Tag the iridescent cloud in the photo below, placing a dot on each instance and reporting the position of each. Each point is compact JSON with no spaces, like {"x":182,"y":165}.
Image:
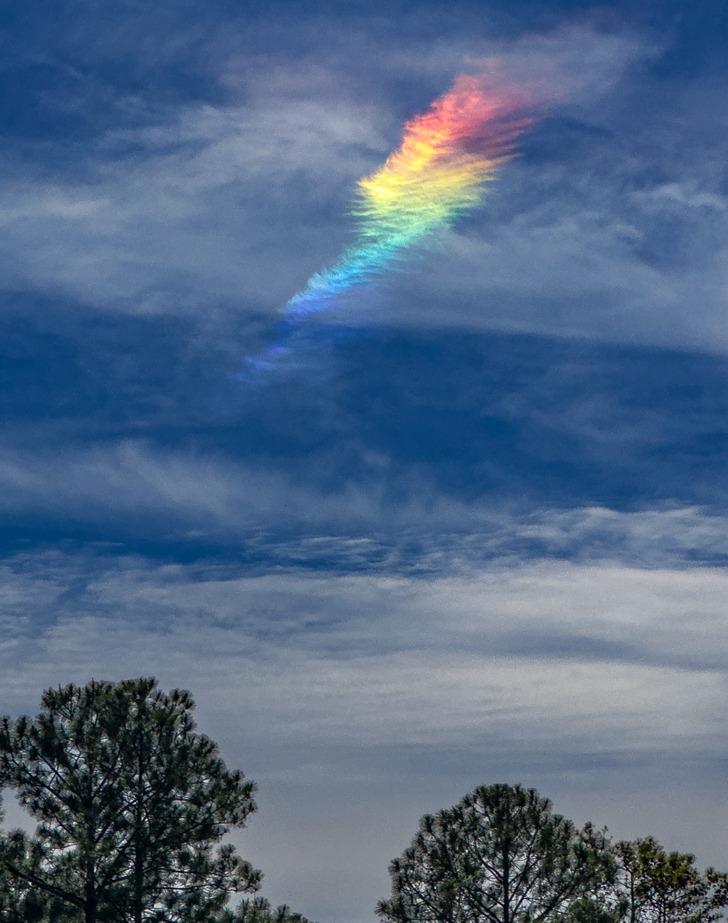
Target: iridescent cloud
{"x":440,"y":171}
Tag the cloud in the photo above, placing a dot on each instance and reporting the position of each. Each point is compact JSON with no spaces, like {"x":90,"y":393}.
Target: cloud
{"x":187,"y":222}
{"x":236,"y":202}
{"x":628,"y":257}
{"x":231,"y":206}
{"x":132,"y":479}
{"x":575,"y":63}
{"x":367,"y":699}
{"x":389,"y":517}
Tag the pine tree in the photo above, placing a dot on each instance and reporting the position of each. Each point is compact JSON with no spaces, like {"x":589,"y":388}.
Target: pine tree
{"x":17,"y":901}
{"x":660,"y":887}
{"x":259,"y":910}
{"x":131,"y":803}
{"x":499,"y":856}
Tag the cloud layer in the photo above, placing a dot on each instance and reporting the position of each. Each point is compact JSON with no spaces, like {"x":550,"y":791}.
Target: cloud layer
{"x":585,"y":679}
{"x":235,"y":204}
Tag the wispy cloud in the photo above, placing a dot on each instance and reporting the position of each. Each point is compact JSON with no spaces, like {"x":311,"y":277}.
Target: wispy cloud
{"x":237,"y":203}
{"x":392,"y":519}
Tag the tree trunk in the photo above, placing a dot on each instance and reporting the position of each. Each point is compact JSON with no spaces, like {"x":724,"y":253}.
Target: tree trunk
{"x":138,"y":832}
{"x":138,"y":888}
{"x":632,"y":907}
{"x":91,"y":902}
{"x":506,"y":884}
{"x":91,"y":899}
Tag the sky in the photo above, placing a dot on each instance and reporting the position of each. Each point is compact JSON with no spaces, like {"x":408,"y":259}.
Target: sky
{"x":473,"y":529}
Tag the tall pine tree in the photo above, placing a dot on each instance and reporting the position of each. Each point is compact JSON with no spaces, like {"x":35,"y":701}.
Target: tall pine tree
{"x":131,"y":802}
{"x":499,"y":856}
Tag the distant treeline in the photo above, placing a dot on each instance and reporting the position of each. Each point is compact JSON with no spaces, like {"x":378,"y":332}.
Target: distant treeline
{"x":132,"y":805}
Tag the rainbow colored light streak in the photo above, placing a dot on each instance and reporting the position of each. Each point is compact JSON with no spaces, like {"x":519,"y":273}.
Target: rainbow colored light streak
{"x":440,"y":171}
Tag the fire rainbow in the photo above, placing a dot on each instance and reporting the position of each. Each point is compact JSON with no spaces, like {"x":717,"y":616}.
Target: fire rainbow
{"x":440,"y":171}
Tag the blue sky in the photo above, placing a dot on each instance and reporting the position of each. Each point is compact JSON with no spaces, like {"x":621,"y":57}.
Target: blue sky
{"x":475,"y":531}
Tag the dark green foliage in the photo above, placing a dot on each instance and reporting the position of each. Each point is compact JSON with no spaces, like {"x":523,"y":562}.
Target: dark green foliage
{"x":598,"y":909}
{"x":499,"y":856}
{"x":18,"y":902}
{"x":259,"y":910}
{"x":131,"y":804}
{"x":660,"y":887}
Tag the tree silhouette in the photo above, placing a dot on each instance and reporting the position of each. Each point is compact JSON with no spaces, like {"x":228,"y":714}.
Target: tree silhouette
{"x":131,"y":803}
{"x":660,"y":887}
{"x":259,"y":910}
{"x":499,"y":856}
